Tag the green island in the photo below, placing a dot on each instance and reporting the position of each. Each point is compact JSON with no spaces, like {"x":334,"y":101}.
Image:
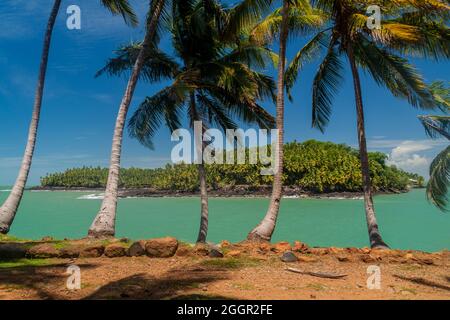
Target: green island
{"x":312,"y":166}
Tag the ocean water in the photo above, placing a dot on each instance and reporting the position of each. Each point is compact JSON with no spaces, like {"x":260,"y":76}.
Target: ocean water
{"x":407,"y":221}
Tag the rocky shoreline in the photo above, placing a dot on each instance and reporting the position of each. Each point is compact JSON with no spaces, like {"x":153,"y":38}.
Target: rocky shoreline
{"x":230,"y":192}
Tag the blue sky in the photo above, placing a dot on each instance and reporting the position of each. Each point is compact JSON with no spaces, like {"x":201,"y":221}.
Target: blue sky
{"x":79,"y":111}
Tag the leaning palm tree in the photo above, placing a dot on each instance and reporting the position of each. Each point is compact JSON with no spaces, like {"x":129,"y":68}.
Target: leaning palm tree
{"x":437,"y":126}
{"x":239,"y":18}
{"x":104,"y":222}
{"x":213,"y":82}
{"x":9,"y":209}
{"x":295,"y":16}
{"x":410,"y":27}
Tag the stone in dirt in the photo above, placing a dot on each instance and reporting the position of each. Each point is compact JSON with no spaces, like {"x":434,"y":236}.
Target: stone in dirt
{"x":300,"y":247}
{"x":214,"y":253}
{"x":43,"y":251}
{"x":115,"y":251}
{"x":69,"y":252}
{"x":282,"y":247}
{"x":343,"y":259}
{"x":183,"y":251}
{"x":201,"y":250}
{"x":137,"y":249}
{"x":289,"y":256}
{"x":162,"y":247}
{"x":92,"y":251}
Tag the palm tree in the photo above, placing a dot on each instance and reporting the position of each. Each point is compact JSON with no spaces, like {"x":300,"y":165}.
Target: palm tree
{"x":294,"y":16}
{"x":9,"y":209}
{"x":410,"y":29}
{"x":439,"y":126}
{"x":239,"y":18}
{"x":214,"y":82}
{"x":105,"y":220}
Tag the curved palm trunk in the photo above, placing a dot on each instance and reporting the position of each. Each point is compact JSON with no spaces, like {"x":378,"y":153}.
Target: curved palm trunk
{"x":104,"y":223}
{"x":264,"y":231}
{"x":203,"y":232}
{"x":375,"y":238}
{"x":9,"y":208}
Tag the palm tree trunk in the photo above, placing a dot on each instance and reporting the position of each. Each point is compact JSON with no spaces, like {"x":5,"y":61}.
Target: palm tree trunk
{"x":264,"y":231}
{"x":375,"y":238}
{"x":9,"y":208}
{"x":104,"y":223}
{"x":203,"y":232}
{"x":204,"y":214}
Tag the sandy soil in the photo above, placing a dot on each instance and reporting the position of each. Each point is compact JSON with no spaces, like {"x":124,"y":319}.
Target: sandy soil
{"x":256,"y":277}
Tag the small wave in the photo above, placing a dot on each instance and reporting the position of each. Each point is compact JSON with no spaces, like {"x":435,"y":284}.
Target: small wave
{"x":6,"y":190}
{"x":94,"y":196}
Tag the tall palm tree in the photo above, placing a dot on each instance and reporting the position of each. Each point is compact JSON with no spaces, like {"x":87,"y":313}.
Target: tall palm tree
{"x":9,"y":208}
{"x":294,"y":16}
{"x":213,"y":83}
{"x":408,"y":28}
{"x":104,"y":222}
{"x":239,"y":18}
{"x":437,"y":126}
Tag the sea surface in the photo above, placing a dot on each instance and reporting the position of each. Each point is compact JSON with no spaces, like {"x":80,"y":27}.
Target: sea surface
{"x":407,"y":221}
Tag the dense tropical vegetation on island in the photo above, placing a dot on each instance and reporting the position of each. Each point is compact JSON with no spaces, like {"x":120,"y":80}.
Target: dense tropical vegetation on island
{"x":314,"y":166}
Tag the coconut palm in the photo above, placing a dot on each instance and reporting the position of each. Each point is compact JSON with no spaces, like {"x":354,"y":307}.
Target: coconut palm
{"x":213,"y":82}
{"x":9,"y":208}
{"x":239,"y":18}
{"x":437,"y":126}
{"x":295,"y":16}
{"x":104,"y":222}
{"x":409,"y":27}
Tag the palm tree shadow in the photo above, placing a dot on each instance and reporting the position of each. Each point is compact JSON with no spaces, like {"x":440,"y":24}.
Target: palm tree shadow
{"x":425,"y":282}
{"x":45,"y":280}
{"x":169,"y":286}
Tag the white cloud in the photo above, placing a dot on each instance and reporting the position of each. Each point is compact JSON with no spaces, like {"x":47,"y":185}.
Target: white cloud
{"x":410,"y":155}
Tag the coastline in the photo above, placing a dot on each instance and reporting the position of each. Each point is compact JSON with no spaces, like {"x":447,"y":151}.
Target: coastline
{"x":232,"y":192}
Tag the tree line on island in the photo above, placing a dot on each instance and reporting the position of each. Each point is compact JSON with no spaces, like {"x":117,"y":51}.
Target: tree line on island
{"x":218,"y":76}
{"x":312,"y":166}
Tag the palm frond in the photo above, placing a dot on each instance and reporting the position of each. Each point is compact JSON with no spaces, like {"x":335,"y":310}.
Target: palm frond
{"x":436,"y":126}
{"x":308,"y":53}
{"x":437,"y":188}
{"x":165,"y":106}
{"x":394,"y":72}
{"x":158,"y":65}
{"x":123,"y":8}
{"x":245,"y":15}
{"x":441,"y":95}
{"x":325,"y":86}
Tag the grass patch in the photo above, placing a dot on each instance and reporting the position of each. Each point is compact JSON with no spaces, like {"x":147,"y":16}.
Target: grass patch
{"x":231,"y":263}
{"x":8,"y":238}
{"x":243,"y":286}
{"x":23,"y":263}
{"x":317,"y":286}
{"x":409,"y":290}
{"x":60,"y":244}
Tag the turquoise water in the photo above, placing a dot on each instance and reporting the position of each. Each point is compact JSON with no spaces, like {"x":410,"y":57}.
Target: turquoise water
{"x":407,"y":221}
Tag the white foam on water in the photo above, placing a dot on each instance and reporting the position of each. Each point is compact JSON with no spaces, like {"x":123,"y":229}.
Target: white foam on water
{"x":5,"y":190}
{"x":94,"y":196}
